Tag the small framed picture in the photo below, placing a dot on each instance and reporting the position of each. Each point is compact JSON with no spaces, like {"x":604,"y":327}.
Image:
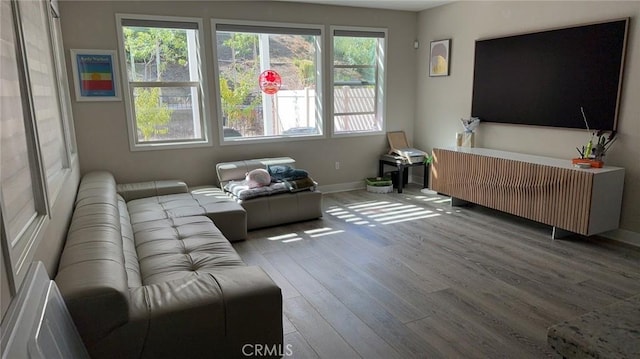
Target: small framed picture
{"x":95,"y":74}
{"x":439,"y":58}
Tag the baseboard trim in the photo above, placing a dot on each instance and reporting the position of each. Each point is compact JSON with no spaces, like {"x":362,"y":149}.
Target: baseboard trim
{"x":341,"y":187}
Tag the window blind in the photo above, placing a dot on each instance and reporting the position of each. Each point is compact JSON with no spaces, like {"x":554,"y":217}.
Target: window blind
{"x":19,"y":208}
{"x":44,"y":91}
{"x":160,"y":24}
{"x":268,"y":29}
{"x":358,"y":33}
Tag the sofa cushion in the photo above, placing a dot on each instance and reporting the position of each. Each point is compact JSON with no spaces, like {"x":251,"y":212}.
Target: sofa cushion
{"x":169,"y":249}
{"x":131,"y":191}
{"x":212,"y":202}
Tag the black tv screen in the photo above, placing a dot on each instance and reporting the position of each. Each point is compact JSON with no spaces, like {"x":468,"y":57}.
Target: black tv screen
{"x":544,"y":78}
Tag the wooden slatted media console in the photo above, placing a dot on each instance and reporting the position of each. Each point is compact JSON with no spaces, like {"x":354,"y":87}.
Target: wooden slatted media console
{"x":546,"y":190}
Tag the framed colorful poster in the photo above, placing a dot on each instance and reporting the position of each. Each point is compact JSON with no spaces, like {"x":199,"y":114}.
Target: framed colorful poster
{"x":95,"y":73}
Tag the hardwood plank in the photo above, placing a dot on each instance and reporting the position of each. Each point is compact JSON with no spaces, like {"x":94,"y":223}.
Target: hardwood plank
{"x":347,"y":324}
{"x":305,"y":283}
{"x":252,"y":257}
{"x":287,"y":326}
{"x":320,"y":336}
{"x":369,"y":311}
{"x":295,"y":345}
{"x":362,"y":338}
{"x":355,"y":279}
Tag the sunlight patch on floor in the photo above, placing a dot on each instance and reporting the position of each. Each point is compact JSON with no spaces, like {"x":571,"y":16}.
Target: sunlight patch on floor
{"x":308,"y":234}
{"x":372,"y":213}
{"x":321,"y":232}
{"x":282,"y":237}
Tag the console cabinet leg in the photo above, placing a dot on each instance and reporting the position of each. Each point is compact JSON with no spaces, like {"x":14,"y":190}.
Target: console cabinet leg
{"x":558,"y":233}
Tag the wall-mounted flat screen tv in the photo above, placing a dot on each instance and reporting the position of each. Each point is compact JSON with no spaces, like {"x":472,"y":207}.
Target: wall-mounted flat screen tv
{"x":545,"y":78}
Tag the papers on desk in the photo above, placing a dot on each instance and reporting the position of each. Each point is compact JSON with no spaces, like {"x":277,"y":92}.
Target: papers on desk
{"x":410,"y":155}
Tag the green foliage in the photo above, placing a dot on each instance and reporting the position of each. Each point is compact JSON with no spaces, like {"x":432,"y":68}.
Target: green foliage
{"x":355,"y":50}
{"x":306,"y":70}
{"x":155,"y":46}
{"x":239,"y":81}
{"x":243,"y":45}
{"x":237,"y":105}
{"x":152,"y":116}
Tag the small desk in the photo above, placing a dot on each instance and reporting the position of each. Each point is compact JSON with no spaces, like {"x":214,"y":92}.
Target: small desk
{"x":403,"y":167}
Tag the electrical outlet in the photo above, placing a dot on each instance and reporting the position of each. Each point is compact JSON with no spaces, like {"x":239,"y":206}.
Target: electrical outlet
{"x":337,"y":165}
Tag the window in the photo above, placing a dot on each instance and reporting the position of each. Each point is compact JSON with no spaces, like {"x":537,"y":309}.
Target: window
{"x":358,"y":75}
{"x":22,"y":200}
{"x":61,"y":72}
{"x":244,"y":51}
{"x":164,"y":69}
{"x":38,"y":54}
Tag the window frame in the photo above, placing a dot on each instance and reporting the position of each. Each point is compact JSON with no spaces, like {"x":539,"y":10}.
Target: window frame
{"x":127,"y":88}
{"x":19,"y":251}
{"x":380,"y":86}
{"x":320,"y":76}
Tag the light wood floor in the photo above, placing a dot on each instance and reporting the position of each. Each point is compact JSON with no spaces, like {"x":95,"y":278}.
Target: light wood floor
{"x":409,"y":276}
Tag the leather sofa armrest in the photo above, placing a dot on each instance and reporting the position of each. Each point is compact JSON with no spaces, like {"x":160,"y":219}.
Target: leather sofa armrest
{"x":253,"y":308}
{"x":241,"y":305}
{"x":131,"y":191}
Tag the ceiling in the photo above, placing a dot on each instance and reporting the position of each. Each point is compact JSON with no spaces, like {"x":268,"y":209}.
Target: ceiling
{"x":407,"y":5}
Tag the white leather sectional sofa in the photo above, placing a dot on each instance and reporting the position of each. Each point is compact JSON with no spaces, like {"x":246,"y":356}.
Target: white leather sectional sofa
{"x":153,"y":277}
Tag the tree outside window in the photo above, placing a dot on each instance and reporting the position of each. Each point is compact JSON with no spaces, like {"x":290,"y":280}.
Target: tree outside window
{"x":163,"y":71}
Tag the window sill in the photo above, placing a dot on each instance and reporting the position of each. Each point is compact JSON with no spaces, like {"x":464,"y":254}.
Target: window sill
{"x":168,"y":145}
{"x":269,"y":139}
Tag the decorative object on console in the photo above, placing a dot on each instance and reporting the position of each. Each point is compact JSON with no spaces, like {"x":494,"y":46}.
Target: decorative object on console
{"x":467,"y":138}
{"x":594,"y":151}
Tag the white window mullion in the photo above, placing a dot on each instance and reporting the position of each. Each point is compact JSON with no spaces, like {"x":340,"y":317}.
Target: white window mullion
{"x":63,"y":86}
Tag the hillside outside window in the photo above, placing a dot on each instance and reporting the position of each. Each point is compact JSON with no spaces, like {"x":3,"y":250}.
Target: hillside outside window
{"x":291,"y":53}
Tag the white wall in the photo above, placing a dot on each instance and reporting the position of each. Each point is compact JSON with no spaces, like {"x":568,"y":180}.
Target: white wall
{"x":101,"y":126}
{"x":442,"y":101}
